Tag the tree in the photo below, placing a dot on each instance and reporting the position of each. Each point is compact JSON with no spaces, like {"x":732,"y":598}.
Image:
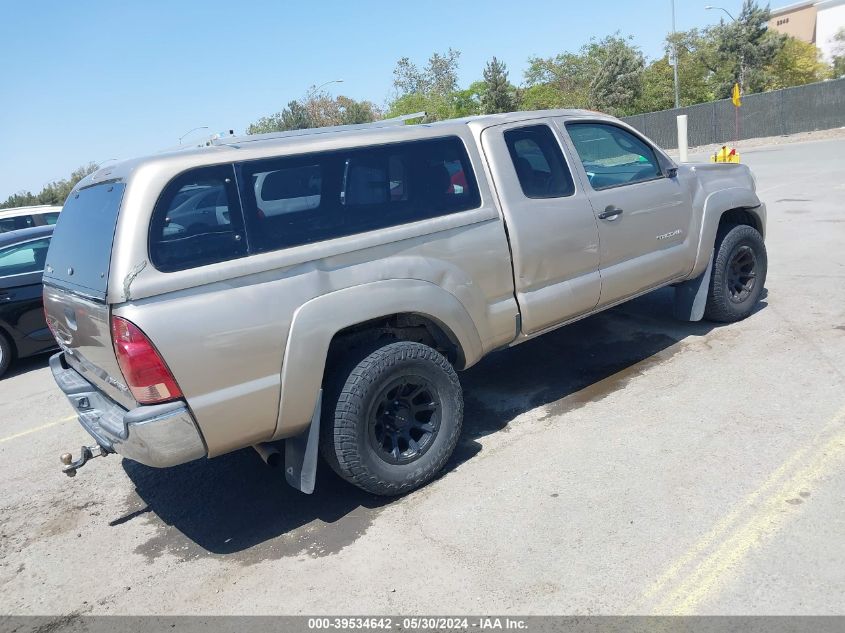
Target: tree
{"x":317,"y":109}
{"x":604,"y":74}
{"x":292,"y":117}
{"x":557,"y":82}
{"x":617,"y":82}
{"x":497,"y":95}
{"x":839,"y":54}
{"x":440,"y":76}
{"x":796,"y":63}
{"x":433,"y":90}
{"x":55,"y":192}
{"x":745,"y":50}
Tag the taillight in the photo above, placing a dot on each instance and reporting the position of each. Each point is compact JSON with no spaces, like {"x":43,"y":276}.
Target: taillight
{"x":145,"y":371}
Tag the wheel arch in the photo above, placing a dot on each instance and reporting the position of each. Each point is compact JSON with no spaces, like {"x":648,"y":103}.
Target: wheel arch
{"x":394,"y":308}
{"x":727,"y":206}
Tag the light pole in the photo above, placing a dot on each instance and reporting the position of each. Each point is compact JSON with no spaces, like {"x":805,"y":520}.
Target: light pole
{"x":202,"y":127}
{"x":675,"y":60}
{"x":741,"y":81}
{"x":317,"y":89}
{"x":710,"y":8}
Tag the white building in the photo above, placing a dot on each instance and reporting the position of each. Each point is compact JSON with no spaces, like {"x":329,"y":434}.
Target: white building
{"x":816,"y":22}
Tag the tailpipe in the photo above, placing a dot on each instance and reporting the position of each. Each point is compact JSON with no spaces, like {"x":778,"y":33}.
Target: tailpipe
{"x":269,"y":453}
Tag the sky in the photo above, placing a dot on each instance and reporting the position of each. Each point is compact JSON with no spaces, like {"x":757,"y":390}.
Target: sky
{"x":89,"y":81}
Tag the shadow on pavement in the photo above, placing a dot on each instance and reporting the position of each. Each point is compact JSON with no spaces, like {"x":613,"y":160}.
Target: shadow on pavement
{"x":235,"y":503}
{"x":26,"y":365}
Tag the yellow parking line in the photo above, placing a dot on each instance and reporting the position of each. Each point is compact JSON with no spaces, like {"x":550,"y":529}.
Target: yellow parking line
{"x":771,"y":516}
{"x":36,"y":429}
{"x":732,"y":539}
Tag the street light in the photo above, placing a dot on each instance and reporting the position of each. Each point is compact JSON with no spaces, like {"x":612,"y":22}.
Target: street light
{"x":710,"y":8}
{"x":333,"y":81}
{"x":202,"y":127}
{"x":742,"y":56}
{"x":675,"y":60}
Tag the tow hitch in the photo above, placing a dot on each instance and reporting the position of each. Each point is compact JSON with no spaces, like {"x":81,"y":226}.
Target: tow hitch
{"x":85,"y":453}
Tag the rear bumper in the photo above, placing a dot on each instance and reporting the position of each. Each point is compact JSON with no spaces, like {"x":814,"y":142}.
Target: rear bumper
{"x":158,"y":435}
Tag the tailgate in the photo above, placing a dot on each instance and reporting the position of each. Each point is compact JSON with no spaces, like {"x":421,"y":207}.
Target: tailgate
{"x":81,"y":327}
{"x":76,"y":282}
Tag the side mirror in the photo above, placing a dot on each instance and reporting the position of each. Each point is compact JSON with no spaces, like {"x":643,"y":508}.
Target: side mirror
{"x":667,"y":165}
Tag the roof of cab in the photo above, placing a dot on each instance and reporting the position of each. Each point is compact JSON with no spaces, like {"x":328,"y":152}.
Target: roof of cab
{"x":234,"y":148}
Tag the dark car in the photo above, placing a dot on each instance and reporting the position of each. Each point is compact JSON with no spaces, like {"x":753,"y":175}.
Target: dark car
{"x":23,"y":330}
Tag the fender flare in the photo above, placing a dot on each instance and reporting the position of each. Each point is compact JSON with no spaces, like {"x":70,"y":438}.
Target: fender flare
{"x":317,"y":321}
{"x":716,"y":205}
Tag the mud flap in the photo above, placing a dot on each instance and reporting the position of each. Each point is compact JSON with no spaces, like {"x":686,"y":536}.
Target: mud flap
{"x":691,"y":296}
{"x":301,"y":453}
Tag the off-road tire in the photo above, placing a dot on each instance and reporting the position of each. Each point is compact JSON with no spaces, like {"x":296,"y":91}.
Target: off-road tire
{"x":353,"y":393}
{"x":723,"y":304}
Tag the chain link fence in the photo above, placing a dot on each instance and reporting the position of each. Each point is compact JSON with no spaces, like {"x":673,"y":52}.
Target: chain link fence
{"x":819,"y":106}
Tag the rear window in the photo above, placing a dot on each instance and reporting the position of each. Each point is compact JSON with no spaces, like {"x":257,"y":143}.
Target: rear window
{"x":80,"y":251}
{"x":309,"y":198}
{"x":197,"y":220}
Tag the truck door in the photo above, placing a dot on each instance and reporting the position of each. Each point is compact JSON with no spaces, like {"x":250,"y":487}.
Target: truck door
{"x":551,"y":227}
{"x":643,"y":212}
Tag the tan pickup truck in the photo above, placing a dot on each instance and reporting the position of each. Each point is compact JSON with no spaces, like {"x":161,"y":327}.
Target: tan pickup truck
{"x":323,"y":287}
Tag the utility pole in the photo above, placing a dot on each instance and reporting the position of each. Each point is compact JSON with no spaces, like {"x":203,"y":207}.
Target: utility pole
{"x":675,"y":60}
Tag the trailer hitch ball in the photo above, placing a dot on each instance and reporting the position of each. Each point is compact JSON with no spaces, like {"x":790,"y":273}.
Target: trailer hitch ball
{"x":85,"y":453}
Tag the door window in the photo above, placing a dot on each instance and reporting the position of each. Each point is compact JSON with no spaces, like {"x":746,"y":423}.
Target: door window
{"x":539,"y":162}
{"x":611,"y":156}
{"x":24,"y":258}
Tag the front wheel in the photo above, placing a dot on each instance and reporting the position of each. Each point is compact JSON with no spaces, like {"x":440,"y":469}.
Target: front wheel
{"x":394,"y":421}
{"x":738,"y":276}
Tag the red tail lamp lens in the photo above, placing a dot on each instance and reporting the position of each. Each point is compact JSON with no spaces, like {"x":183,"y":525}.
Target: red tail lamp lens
{"x":145,"y":371}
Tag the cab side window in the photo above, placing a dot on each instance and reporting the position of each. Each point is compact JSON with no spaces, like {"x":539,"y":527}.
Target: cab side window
{"x":539,"y":163}
{"x":302,"y":199}
{"x":197,"y":220}
{"x":612,"y":156}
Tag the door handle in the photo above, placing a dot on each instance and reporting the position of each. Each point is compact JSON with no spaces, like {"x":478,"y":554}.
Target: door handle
{"x":610,"y":213}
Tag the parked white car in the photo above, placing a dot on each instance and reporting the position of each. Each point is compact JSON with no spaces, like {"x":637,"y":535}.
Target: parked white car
{"x":27,"y":217}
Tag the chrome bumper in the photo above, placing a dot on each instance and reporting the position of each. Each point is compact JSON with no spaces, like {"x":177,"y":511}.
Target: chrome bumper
{"x":157,"y":435}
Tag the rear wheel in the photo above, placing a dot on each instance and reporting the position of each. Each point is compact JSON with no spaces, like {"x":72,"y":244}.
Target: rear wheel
{"x":739,"y":273}
{"x":392,"y":422}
